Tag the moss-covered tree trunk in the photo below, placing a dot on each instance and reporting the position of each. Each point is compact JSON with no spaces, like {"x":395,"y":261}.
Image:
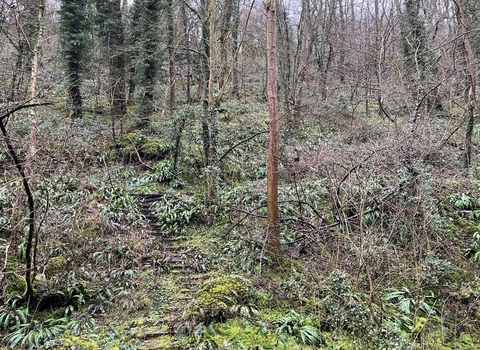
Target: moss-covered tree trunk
{"x":111,"y":33}
{"x":145,"y":24}
{"x":75,"y":42}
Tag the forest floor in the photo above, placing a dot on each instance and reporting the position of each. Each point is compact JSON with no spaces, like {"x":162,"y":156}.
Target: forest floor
{"x":380,"y":236}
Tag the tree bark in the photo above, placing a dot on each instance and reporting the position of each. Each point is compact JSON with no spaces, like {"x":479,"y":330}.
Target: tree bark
{"x":118,"y":109}
{"x":224,"y":30}
{"x":171,"y":54}
{"x":470,"y":75}
{"x":273,"y":238}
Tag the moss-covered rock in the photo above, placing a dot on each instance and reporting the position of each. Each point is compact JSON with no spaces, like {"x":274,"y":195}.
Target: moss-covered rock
{"x":15,"y":283}
{"x":132,"y":145}
{"x":225,"y":296}
{"x":78,"y":343}
{"x":56,"y":265}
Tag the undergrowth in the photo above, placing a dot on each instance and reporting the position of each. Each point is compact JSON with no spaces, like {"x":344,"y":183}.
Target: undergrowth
{"x":380,"y":237}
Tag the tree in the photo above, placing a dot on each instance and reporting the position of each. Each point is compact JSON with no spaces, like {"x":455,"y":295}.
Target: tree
{"x":145,"y":18}
{"x":75,"y":41}
{"x":470,"y":75}
{"x":31,"y":239}
{"x":419,"y":60}
{"x":225,"y":28}
{"x":272,"y":169}
{"x":209,"y":103}
{"x":24,"y":166}
{"x":25,"y":19}
{"x":171,"y":53}
{"x":111,"y":34}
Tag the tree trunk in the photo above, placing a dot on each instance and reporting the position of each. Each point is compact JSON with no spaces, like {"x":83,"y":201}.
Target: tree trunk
{"x":186,"y":47}
{"x":75,"y":92}
{"x":224,"y":30}
{"x":171,"y":54}
{"x":212,"y":109}
{"x":117,"y":69}
{"x":470,"y":74}
{"x":273,"y":239}
{"x":235,"y":45}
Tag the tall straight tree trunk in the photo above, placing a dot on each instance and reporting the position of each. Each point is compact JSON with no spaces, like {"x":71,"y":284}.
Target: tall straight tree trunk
{"x":33,"y":85}
{"x":112,"y":35}
{"x":470,"y":74}
{"x":205,"y":77}
{"x":75,"y":27}
{"x":273,"y":238}
{"x":235,"y":44}
{"x":30,"y":250}
{"x":171,"y":54}
{"x":224,"y":30}
{"x":212,"y":108}
{"x":117,"y":68}
{"x":25,"y":14}
{"x":186,"y":45}
{"x":74,"y":89}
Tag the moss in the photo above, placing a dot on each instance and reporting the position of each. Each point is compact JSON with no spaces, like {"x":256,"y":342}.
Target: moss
{"x":163,"y":342}
{"x":342,"y":343}
{"x":150,"y":148}
{"x":419,"y":324}
{"x":218,"y":298}
{"x":56,"y":265}
{"x":144,"y":304}
{"x":235,"y":333}
{"x":78,"y":343}
{"x":16,"y":284}
{"x":436,"y":340}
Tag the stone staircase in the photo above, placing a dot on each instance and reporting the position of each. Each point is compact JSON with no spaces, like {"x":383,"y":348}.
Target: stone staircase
{"x":179,"y":262}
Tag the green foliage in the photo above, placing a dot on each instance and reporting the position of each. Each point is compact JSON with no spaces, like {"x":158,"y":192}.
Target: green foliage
{"x":344,"y":306}
{"x":464,"y":202}
{"x":436,"y":270}
{"x":347,"y":312}
{"x":302,"y":328}
{"x":224,"y":297}
{"x":13,"y":314}
{"x":175,"y":211}
{"x":475,"y":248}
{"x":110,"y":27}
{"x":5,"y":201}
{"x":144,"y":35}
{"x":163,"y":172}
{"x":75,"y":26}
{"x":35,"y":333}
{"x":240,"y":334}
{"x":247,"y":254}
{"x":408,"y":302}
{"x":56,"y":265}
{"x":67,"y":341}
{"x":118,"y":205}
{"x":131,"y":146}
{"x":31,"y":331}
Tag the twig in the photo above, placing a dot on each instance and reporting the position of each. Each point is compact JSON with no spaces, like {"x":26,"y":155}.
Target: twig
{"x":22,"y":106}
{"x":139,"y":157}
{"x":239,"y":143}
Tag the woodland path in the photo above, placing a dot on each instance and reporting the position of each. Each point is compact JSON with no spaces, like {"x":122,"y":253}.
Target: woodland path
{"x":178,"y":262}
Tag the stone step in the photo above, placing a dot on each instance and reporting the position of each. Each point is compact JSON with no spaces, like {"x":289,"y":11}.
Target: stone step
{"x":149,"y":198}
